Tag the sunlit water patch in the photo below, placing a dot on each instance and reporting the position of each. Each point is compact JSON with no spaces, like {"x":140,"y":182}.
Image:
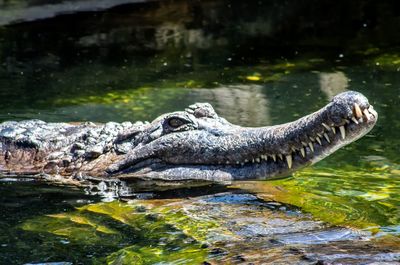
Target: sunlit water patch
{"x":366,"y":197}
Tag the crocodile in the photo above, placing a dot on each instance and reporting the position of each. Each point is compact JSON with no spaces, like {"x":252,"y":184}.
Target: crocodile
{"x":191,"y":145}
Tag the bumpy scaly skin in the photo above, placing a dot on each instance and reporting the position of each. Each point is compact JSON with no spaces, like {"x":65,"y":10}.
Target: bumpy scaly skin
{"x":195,"y":144}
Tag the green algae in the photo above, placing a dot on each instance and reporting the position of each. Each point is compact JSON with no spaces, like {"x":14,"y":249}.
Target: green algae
{"x":155,"y":255}
{"x":386,"y":60}
{"x":150,"y":234}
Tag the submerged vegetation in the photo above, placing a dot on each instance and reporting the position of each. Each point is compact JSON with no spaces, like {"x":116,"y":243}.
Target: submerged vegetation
{"x":137,"y":232}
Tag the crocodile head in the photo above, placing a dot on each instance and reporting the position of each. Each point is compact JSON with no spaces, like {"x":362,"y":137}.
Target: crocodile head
{"x":197,"y":144}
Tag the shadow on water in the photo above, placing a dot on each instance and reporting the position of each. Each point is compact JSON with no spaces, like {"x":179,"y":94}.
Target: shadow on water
{"x":137,"y":61}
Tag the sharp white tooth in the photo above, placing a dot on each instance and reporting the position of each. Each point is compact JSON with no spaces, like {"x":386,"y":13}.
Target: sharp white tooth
{"x":326,"y":126}
{"x":311,"y":139}
{"x":280,"y":156}
{"x":227,"y":162}
{"x":367,"y":115}
{"x":237,"y":162}
{"x":333,"y":130}
{"x":372,"y":110}
{"x":274,"y":157}
{"x":289,"y":160}
{"x":327,"y":137}
{"x":318,"y":140}
{"x":310,"y":144}
{"x":294,"y":149}
{"x":342,"y":132}
{"x":304,"y":143}
{"x":354,"y":120}
{"x":258,"y":160}
{"x":303,"y":152}
{"x":252,"y":161}
{"x":347,"y":121}
{"x":357,"y":111}
{"x":246,"y":160}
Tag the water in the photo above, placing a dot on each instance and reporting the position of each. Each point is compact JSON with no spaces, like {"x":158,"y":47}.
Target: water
{"x":358,"y":186}
{"x":83,"y":78}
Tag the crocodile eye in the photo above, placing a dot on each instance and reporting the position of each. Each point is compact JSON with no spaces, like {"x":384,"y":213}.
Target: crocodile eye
{"x":176,"y":122}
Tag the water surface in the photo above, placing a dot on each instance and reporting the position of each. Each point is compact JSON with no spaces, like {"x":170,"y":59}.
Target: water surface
{"x":358,"y":186}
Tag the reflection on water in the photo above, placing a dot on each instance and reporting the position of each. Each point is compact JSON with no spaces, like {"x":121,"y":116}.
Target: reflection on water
{"x":333,"y":83}
{"x":364,"y":197}
{"x":215,"y":228}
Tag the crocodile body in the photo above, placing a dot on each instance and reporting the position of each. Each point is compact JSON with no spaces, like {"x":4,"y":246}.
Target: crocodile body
{"x":195,"y":144}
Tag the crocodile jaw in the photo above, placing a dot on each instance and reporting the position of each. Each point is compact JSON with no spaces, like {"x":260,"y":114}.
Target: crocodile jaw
{"x":252,"y":153}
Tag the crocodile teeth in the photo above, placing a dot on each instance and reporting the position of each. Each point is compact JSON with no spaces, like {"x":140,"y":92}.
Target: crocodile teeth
{"x":303,"y":152}
{"x":237,"y":162}
{"x":342,"y":132}
{"x":357,"y":111}
{"x":304,"y":143}
{"x":227,"y":162}
{"x":258,"y":160}
{"x":333,"y":130}
{"x":310,"y":144}
{"x":367,"y":115}
{"x":318,"y":140}
{"x":289,"y":160}
{"x":274,"y":157}
{"x":354,"y":120}
{"x":327,"y":137}
{"x":326,"y":126}
{"x":372,"y":110}
{"x":280,"y":156}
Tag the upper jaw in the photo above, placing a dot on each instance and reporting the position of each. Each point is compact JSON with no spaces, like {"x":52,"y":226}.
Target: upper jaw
{"x":348,"y":117}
